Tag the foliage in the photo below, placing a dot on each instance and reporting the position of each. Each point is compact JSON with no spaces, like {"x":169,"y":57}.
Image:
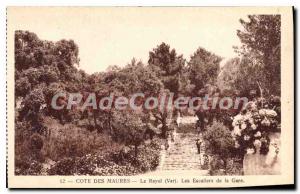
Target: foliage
{"x":234,"y":166}
{"x":44,"y":68}
{"x":129,"y":128}
{"x":104,"y":165}
{"x":252,"y":126}
{"x":168,"y":66}
{"x":71,"y":141}
{"x":28,"y":157}
{"x":203,"y":68}
{"x":218,"y":140}
{"x":241,"y":76}
{"x":31,"y":105}
{"x":39,"y":64}
{"x":260,"y":38}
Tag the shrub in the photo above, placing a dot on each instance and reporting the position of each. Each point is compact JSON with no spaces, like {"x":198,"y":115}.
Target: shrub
{"x":215,"y":166}
{"x":28,"y":158}
{"x":218,"y":139}
{"x":65,"y":166}
{"x":234,"y":166}
{"x":148,"y":158}
{"x":219,"y":142}
{"x":36,"y":142}
{"x":109,"y":164}
{"x":76,"y":142}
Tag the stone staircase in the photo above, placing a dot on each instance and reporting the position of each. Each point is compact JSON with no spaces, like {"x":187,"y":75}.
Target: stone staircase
{"x":182,"y":154}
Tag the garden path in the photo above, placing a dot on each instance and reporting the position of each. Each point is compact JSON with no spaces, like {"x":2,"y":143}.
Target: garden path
{"x":182,"y":154}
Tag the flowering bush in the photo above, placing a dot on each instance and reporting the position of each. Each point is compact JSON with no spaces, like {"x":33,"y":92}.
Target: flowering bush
{"x":252,"y":126}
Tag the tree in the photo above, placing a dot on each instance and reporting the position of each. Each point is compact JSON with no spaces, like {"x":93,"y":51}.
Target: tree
{"x":227,"y":76}
{"x":40,"y":64}
{"x":163,"y":113}
{"x":31,"y":111}
{"x":168,"y":66}
{"x":260,"y":38}
{"x":127,"y":81}
{"x":240,"y":77}
{"x":129,"y":128}
{"x":203,"y":68}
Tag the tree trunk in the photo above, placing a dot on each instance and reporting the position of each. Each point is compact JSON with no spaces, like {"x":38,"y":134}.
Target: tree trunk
{"x":164,"y":127}
{"x":260,"y":89}
{"x":164,"y":131}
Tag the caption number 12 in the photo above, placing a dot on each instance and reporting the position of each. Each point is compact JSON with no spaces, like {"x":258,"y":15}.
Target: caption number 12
{"x":62,"y":180}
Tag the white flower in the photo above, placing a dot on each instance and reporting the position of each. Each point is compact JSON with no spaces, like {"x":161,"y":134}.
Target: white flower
{"x":234,"y":123}
{"x":267,"y":112}
{"x":246,"y":137}
{"x":244,"y":126}
{"x":236,"y":131}
{"x":253,"y":126}
{"x":262,"y":112}
{"x":266,"y":122}
{"x":236,"y":145}
{"x":247,"y":116}
{"x":250,"y":151}
{"x":257,"y":143}
{"x":263,"y":139}
{"x":257,"y":134}
{"x":271,"y":113}
{"x":251,"y":121}
{"x":237,"y":120}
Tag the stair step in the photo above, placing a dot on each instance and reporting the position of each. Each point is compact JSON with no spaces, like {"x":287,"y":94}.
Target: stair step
{"x":182,"y":154}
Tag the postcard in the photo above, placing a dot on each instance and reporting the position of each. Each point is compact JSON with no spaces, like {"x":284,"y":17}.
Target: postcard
{"x":150,"y":97}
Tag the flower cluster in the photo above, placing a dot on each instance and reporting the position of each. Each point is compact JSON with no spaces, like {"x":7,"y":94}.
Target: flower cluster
{"x":252,"y":126}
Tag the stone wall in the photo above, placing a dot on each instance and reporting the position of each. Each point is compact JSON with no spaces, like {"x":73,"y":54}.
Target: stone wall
{"x":270,"y":164}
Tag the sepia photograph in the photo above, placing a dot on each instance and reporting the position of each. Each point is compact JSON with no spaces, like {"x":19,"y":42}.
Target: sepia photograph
{"x":123,"y":93}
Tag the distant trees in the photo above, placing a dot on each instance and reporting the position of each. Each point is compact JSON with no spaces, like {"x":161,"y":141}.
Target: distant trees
{"x":133,"y":78}
{"x":228,"y":75}
{"x":44,"y":68}
{"x":257,"y":71}
{"x":261,"y":45}
{"x":240,"y":76}
{"x":203,"y":68}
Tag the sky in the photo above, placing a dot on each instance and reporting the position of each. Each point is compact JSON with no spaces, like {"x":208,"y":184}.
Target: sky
{"x":113,"y":36}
